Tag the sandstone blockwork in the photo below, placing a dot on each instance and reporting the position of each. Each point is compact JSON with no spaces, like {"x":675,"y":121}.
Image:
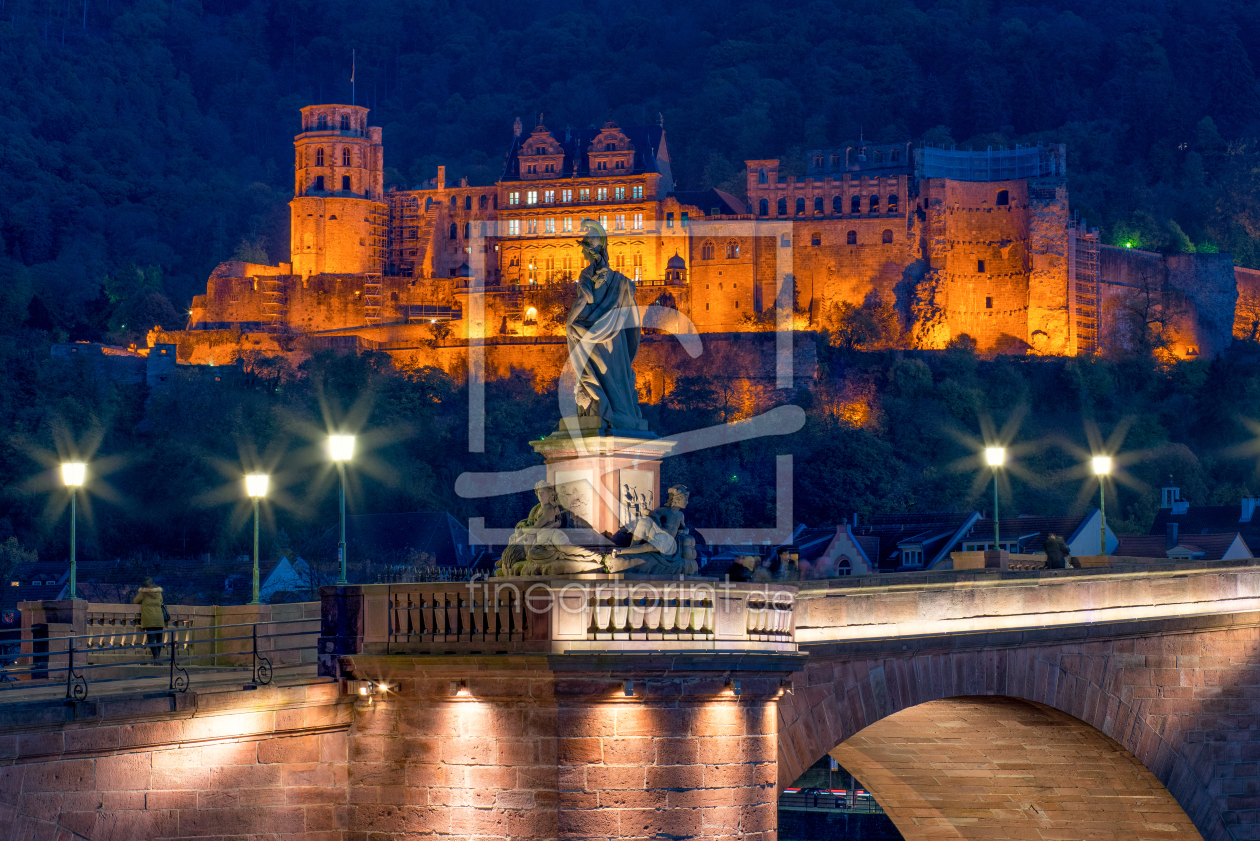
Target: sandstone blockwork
{"x":1070,"y":740}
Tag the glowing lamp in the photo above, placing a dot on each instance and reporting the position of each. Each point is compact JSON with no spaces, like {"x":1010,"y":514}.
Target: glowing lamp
{"x":1101,"y":465}
{"x":73,"y":473}
{"x":995,"y":456}
{"x":256,"y":484}
{"x":341,"y":447}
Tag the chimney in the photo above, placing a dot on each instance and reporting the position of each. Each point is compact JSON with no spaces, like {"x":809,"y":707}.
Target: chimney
{"x":1248,"y":508}
{"x":441,"y":179}
{"x":1172,"y":535}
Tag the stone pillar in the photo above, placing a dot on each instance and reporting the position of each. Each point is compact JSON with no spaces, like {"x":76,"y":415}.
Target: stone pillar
{"x":553,"y":747}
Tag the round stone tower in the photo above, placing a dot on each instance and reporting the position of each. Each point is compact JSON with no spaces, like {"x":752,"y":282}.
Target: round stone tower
{"x":338,"y":213}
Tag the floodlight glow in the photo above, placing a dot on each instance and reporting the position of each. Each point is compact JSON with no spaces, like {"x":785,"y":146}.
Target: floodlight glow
{"x":995,"y":456}
{"x":1102,"y":465}
{"x":256,"y":484}
{"x":73,"y":473}
{"x":341,"y":447}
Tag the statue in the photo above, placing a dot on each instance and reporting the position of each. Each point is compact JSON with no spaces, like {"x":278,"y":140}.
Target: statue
{"x":539,"y":545}
{"x":603,"y":330}
{"x":660,"y":543}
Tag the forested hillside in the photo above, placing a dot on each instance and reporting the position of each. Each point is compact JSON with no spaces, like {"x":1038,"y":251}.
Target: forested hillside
{"x":143,"y":141}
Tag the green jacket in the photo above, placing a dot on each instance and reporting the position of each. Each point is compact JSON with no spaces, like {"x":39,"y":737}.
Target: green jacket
{"x":150,"y":601}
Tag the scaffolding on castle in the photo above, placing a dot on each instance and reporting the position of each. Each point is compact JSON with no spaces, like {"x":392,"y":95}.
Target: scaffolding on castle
{"x":988,"y":165}
{"x":1085,"y":303}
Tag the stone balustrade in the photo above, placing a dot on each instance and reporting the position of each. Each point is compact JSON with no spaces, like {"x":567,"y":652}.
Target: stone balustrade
{"x":558,"y":615}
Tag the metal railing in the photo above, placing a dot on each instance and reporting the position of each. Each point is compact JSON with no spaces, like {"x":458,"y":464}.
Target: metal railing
{"x":836,"y":800}
{"x":30,"y":658}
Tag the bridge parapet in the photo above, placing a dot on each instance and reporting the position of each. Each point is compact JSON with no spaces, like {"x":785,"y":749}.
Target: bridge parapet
{"x":553,"y":616}
{"x":929,"y":604}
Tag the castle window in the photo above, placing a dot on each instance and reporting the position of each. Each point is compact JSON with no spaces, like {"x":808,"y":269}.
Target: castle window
{"x":818,"y":159}
{"x":763,"y":208}
{"x":887,"y":237}
{"x":549,"y":197}
{"x":468,"y":202}
{"x":837,"y":204}
{"x":620,"y":165}
{"x":610,"y":147}
{"x":737,"y":305}
{"x":988,"y":303}
{"x":566,"y":196}
{"x":781,"y":207}
{"x":892,"y":203}
{"x":531,"y":226}
{"x":619,"y":193}
{"x":835,"y":160}
{"x":454,"y":202}
{"x":1003,"y":198}
{"x":531,"y":197}
{"x":874,"y":206}
{"x":879,"y":157}
{"x":894,"y":156}
{"x":669,"y":220}
{"x":428,"y":202}
{"x":345,"y":183}
{"x":980,"y":266}
{"x":514,"y":227}
{"x":323,"y":122}
{"x":602,"y":165}
{"x":332,"y":218}
{"x":319,"y":157}
{"x":800,"y":207}
{"x":584,"y":194}
{"x":785,"y":241}
{"x":685,"y":219}
{"x":481,"y":202}
{"x":761,"y":177}
{"x":549,"y":168}
{"x":636,"y":191}
{"x":732,"y":250}
{"x":531,"y":169}
{"x":601,"y":194}
{"x":637,"y":221}
{"x":319,"y":182}
{"x":345,"y":156}
{"x":467,"y":230}
{"x":851,"y":238}
{"x":345,"y":123}
{"x":411,"y":233}
{"x":619,"y":222}
{"x":855,"y":204}
{"x":483,"y":230}
{"x":638,"y":267}
{"x":706,"y":251}
{"x":549,"y":225}
{"x":454,"y":231}
{"x":513,"y":198}
{"x":815,"y":239}
{"x":818,"y":206}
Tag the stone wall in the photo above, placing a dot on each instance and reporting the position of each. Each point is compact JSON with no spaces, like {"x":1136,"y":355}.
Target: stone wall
{"x":1247,"y":310}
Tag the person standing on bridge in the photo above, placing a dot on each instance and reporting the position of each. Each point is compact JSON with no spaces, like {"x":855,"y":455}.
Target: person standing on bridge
{"x":152,"y":615}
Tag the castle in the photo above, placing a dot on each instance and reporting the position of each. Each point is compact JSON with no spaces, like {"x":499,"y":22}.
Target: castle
{"x":959,"y":242}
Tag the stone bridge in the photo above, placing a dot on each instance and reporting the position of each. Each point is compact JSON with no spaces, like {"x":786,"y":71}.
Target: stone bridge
{"x":1108,"y":703}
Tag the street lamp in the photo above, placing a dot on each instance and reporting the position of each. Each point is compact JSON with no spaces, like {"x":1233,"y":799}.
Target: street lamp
{"x":72,"y":474}
{"x":341,"y":448}
{"x":1102,"y":467}
{"x":256,"y":487}
{"x":995,"y":457}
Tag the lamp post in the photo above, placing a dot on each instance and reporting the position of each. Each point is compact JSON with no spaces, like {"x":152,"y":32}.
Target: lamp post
{"x":1102,"y":467}
{"x":256,"y":487}
{"x":995,"y":457}
{"x":341,"y":448}
{"x":72,"y":474}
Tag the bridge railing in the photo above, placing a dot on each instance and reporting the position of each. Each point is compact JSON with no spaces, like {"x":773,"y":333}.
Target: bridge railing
{"x":557,"y":615}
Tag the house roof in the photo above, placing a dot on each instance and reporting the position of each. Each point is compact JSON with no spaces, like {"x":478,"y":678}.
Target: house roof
{"x":1212,"y":546}
{"x":883,"y":534}
{"x":1207,"y":519}
{"x":647,"y":142}
{"x":713,"y":202}
{"x":1032,"y":532}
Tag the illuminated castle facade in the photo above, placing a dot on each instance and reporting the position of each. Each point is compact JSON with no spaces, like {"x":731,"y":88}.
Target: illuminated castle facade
{"x":976,"y":243}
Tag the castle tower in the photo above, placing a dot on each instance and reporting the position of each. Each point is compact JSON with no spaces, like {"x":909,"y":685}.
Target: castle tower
{"x":338,"y":215}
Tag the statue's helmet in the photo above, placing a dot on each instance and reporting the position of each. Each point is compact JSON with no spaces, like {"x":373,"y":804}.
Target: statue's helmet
{"x":594,"y":236}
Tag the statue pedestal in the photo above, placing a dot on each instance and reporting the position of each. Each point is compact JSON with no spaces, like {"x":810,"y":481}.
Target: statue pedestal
{"x":608,"y":478}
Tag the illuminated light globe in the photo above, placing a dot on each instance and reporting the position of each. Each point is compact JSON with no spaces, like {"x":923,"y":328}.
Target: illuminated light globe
{"x":1101,"y":464}
{"x":341,"y":447}
{"x":995,"y":456}
{"x":73,"y":473}
{"x":256,"y":484}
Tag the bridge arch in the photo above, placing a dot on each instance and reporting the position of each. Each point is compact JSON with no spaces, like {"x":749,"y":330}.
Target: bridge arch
{"x":1127,"y":712}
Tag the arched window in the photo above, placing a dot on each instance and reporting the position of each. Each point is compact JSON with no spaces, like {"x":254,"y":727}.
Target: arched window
{"x":837,"y":204}
{"x":855,"y":204}
{"x":345,"y":122}
{"x":879,"y":157}
{"x":887,"y":238}
{"x":874,"y":207}
{"x":345,"y":156}
{"x":481,"y":203}
{"x":892,"y":203}
{"x":800,"y":207}
{"x":345,"y":183}
{"x":782,"y":207}
{"x":454,"y":232}
{"x":453,"y":202}
{"x":319,"y":183}
{"x":732,"y":250}
{"x":1003,"y":198}
{"x":763,"y":208}
{"x":468,"y":202}
{"x":851,"y":238}
{"x":468,"y":230}
{"x":428,"y":202}
{"x":706,"y":251}
{"x":319,"y":157}
{"x":761,"y":176}
{"x":323,"y":122}
{"x":844,"y":566}
{"x":818,"y":206}
{"x":815,"y":239}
